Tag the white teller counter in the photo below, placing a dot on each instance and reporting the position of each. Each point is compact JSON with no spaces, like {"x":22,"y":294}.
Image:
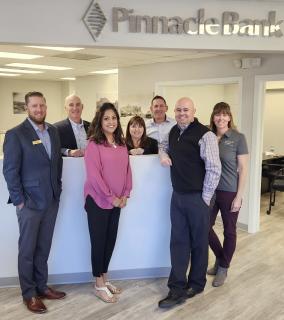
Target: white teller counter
{"x":142,"y":247}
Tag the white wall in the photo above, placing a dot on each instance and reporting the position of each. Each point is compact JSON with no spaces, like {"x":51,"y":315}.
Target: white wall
{"x":52,"y":90}
{"x":232,"y":97}
{"x":90,"y":89}
{"x":204,"y":97}
{"x":273,"y":121}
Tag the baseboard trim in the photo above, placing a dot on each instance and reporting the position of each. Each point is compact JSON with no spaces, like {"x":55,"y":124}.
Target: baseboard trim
{"x":242,"y":226}
{"x":84,"y":277}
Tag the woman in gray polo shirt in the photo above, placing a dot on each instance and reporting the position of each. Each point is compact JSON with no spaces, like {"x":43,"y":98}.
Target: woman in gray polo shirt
{"x":233,"y":155}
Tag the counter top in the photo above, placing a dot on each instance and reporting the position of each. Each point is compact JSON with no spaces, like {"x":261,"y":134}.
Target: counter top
{"x":142,"y":248}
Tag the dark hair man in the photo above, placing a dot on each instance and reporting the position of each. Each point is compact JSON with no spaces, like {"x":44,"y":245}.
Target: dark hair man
{"x":160,"y":125}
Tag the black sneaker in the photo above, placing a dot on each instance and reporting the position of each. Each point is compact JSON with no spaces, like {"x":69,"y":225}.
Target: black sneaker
{"x":171,"y":300}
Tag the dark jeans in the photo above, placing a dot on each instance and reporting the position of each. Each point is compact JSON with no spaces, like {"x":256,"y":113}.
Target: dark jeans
{"x":189,"y":242}
{"x":103,"y":225}
{"x":223,"y":203}
{"x":36,"y":230}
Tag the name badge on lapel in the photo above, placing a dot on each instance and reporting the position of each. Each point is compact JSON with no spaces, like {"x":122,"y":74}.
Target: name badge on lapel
{"x":37,"y":142}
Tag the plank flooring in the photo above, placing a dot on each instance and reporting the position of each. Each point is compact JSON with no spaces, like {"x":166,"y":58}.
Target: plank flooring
{"x":254,"y":289}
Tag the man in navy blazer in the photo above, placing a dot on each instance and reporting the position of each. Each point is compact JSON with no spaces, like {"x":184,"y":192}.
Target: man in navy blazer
{"x":32,"y":168}
{"x":73,"y":130}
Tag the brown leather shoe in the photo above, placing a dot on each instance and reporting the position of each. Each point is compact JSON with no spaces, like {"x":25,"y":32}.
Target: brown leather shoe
{"x":52,"y":294}
{"x":35,"y":305}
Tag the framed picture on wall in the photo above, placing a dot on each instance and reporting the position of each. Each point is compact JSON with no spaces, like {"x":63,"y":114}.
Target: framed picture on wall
{"x":18,"y":103}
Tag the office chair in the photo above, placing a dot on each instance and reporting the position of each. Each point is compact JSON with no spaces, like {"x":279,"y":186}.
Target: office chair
{"x":276,"y":184}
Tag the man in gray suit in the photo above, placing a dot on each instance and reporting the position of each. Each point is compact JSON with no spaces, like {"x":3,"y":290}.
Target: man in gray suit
{"x":32,"y":168}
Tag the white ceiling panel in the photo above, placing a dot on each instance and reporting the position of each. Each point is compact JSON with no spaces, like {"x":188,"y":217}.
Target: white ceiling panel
{"x":87,"y":60}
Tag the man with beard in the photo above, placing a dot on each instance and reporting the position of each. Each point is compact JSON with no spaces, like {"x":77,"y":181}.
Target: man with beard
{"x":32,"y":169}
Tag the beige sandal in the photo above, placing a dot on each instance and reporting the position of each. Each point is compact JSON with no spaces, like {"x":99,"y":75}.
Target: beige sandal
{"x":99,"y":292}
{"x":112,"y":288}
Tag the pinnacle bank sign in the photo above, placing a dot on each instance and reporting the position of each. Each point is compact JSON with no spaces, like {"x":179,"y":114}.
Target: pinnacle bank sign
{"x":229,"y":24}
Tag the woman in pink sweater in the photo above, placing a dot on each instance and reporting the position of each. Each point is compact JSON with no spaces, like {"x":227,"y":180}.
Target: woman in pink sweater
{"x":107,"y":187}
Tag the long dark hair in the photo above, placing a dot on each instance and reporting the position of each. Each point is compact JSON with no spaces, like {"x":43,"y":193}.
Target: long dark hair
{"x":96,"y":133}
{"x":221,"y":107}
{"x":141,"y":123}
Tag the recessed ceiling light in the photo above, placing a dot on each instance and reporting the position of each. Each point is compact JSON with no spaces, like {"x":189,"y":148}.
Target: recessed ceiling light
{"x":109,"y":71}
{"x":66,"y":49}
{"x":68,"y":78}
{"x":13,"y":55}
{"x":36,"y":66}
{"x":20,"y":71}
{"x":9,"y":75}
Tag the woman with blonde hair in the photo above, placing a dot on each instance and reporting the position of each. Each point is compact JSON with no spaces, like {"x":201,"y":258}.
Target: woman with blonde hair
{"x":234,"y":156}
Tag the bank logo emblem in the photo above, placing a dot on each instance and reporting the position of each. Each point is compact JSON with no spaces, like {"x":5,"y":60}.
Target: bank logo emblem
{"x":94,"y":19}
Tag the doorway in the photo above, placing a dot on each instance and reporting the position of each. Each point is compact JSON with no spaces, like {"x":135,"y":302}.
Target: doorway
{"x":261,"y":84}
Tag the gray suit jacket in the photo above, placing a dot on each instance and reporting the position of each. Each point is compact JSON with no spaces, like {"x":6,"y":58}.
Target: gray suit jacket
{"x":31,"y":176}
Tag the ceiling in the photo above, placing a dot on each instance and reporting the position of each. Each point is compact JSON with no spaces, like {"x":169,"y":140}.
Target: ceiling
{"x":87,"y":60}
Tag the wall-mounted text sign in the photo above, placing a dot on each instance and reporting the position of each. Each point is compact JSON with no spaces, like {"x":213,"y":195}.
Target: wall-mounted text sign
{"x":229,"y":24}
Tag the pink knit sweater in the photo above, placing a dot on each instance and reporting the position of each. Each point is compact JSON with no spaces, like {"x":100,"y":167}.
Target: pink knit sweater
{"x":108,"y":173}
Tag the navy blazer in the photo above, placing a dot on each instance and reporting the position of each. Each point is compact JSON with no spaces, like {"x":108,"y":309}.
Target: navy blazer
{"x":32,"y":177}
{"x":66,"y":134}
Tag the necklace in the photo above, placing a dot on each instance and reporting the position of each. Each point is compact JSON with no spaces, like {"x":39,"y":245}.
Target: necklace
{"x":113,"y":144}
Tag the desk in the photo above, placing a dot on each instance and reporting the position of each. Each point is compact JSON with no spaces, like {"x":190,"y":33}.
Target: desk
{"x":267,"y":171}
{"x":142,"y":248}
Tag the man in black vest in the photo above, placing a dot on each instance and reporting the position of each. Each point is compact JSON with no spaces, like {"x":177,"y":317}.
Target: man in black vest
{"x":73,"y":130}
{"x":193,"y":155}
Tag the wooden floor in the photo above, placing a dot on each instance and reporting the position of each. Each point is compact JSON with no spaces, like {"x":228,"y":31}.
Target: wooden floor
{"x":254,"y":289}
